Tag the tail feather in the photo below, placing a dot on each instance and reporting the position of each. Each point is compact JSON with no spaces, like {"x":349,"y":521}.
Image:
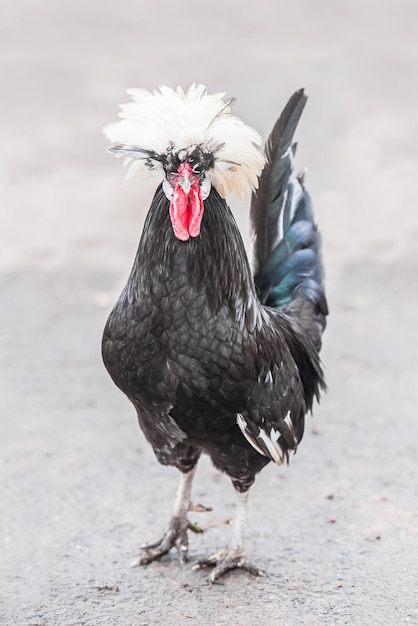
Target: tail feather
{"x":289,"y":273}
{"x":273,"y":184}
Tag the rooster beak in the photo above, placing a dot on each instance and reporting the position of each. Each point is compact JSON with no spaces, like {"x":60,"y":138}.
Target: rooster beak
{"x":186,"y":184}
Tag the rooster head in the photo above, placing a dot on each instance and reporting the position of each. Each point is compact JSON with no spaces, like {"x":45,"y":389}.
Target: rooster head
{"x":192,"y":142}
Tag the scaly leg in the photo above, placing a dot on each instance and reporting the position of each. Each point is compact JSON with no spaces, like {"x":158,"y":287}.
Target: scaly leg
{"x":176,"y":534}
{"x":233,"y":556}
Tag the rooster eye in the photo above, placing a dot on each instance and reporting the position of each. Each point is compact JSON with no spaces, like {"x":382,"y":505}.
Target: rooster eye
{"x":171,"y":176}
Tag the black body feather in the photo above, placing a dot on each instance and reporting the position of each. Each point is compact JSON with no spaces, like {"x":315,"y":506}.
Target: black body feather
{"x":191,"y":344}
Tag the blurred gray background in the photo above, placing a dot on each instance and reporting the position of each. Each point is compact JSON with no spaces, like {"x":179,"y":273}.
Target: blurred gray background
{"x":337,"y":531}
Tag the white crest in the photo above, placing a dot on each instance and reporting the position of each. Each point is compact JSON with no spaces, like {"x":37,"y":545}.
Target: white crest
{"x":154,"y":122}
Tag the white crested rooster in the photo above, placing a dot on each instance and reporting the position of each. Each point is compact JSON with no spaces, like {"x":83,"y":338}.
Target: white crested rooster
{"x":215,"y":358}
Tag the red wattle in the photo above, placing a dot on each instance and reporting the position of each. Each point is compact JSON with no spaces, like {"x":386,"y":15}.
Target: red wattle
{"x":179,"y":213}
{"x":195,"y":211}
{"x":186,"y":212}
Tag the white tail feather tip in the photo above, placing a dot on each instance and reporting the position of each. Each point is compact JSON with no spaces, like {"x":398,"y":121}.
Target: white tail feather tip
{"x":272,"y":445}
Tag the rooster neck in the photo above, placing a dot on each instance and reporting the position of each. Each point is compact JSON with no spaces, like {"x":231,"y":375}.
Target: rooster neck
{"x":215,"y":262}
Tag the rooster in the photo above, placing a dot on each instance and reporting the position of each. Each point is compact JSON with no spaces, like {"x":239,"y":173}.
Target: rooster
{"x":216,"y":359}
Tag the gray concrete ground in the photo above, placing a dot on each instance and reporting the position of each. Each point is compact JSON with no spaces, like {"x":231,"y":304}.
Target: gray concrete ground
{"x":338,"y":530}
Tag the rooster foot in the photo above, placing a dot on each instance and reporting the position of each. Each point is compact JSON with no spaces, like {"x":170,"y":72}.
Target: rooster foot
{"x":176,"y":536}
{"x":225,"y":561}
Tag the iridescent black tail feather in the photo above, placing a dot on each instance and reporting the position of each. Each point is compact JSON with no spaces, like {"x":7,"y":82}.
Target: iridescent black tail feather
{"x":288,"y":261}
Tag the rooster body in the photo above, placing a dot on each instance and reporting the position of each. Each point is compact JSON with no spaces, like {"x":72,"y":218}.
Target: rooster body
{"x":215,"y":360}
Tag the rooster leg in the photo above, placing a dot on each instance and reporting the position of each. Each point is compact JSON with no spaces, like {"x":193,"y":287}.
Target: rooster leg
{"x":176,"y":534}
{"x":233,"y":556}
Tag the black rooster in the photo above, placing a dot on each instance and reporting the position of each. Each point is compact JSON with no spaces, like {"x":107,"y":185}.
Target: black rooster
{"x":214,"y":359}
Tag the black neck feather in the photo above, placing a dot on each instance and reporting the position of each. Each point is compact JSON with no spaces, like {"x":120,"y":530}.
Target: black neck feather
{"x":216,"y":259}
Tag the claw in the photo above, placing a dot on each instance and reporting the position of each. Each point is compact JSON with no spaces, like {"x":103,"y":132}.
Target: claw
{"x":176,"y":536}
{"x":199,"y":508}
{"x":226,"y":561}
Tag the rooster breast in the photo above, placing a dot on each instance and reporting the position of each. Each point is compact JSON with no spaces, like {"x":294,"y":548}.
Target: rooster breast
{"x":169,"y":349}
